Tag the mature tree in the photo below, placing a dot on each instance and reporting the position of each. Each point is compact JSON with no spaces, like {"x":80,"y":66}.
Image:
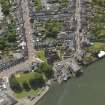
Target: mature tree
{"x":26,"y":86}
{"x":5,"y":4}
{"x":2,"y":44}
{"x":37,"y":81}
{"x":52,"y":28}
{"x":15,"y":86}
{"x":46,"y":69}
{"x":31,"y":20}
{"x":11,"y":38}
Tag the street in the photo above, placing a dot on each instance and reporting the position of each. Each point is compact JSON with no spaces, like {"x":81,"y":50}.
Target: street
{"x":78,"y":33}
{"x":28,"y":34}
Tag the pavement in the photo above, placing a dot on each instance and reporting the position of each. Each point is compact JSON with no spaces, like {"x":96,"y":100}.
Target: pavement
{"x":28,"y":29}
{"x":78,"y":33}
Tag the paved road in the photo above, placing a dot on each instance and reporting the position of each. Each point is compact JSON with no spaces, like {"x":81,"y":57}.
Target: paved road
{"x":28,"y":29}
{"x":78,"y":33}
{"x":31,"y":52}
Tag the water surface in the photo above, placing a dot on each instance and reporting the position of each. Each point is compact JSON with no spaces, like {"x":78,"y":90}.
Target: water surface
{"x":89,"y":89}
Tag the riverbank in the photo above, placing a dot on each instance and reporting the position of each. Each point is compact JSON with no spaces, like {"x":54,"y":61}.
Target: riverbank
{"x":88,"y":89}
{"x":41,"y":95}
{"x":34,"y":99}
{"x":92,"y":62}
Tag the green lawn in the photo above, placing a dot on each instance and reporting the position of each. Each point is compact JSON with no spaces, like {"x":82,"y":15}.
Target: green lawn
{"x":96,"y":47}
{"x":27,"y":93}
{"x":93,"y":50}
{"x":41,"y":55}
{"x":25,"y":77}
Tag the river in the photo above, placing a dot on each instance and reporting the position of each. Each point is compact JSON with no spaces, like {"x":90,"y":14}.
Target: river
{"x":88,"y":89}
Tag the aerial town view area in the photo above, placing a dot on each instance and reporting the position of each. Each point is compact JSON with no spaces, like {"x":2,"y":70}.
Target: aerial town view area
{"x":52,"y":52}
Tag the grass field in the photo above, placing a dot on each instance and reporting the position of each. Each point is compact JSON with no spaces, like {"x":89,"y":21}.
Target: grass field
{"x":41,"y":55}
{"x":25,"y":77}
{"x":27,"y":93}
{"x":96,"y":47}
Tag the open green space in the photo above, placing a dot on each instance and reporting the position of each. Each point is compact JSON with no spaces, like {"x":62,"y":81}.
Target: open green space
{"x":23,"y":94}
{"x":25,"y":77}
{"x":96,"y":47}
{"x":41,"y":55}
{"x":26,"y":84}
